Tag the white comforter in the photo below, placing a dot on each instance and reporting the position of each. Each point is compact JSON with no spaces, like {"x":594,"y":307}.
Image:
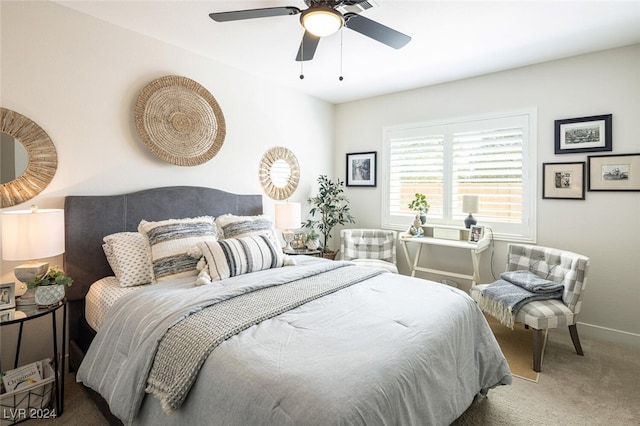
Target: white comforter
{"x":390,"y":350}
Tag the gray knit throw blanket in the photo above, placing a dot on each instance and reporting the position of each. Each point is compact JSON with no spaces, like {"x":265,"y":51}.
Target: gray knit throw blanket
{"x":186,"y":346}
{"x":504,"y":298}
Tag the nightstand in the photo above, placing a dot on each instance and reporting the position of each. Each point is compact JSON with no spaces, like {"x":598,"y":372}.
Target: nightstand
{"x":18,"y":316}
{"x":303,"y":251}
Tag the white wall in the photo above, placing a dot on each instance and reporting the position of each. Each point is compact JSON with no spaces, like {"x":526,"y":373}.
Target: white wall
{"x":601,"y":227}
{"x":79,"y":77}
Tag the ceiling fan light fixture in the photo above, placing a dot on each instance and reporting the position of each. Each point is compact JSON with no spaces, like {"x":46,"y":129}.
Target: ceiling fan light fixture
{"x":321,"y":21}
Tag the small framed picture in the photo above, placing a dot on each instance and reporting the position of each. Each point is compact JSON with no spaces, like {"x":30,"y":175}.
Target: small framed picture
{"x":476,"y":232}
{"x":361,"y":169}
{"x":7,"y":315}
{"x":584,"y":134}
{"x":614,"y":172}
{"x":565,"y":181}
{"x":7,"y":296}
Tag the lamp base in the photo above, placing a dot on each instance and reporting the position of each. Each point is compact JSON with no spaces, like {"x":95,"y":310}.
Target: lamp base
{"x":288,"y":236}
{"x":469,"y":220}
{"x":27,"y":271}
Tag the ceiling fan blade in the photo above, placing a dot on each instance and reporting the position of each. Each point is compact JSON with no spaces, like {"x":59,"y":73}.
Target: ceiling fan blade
{"x":266,"y":12}
{"x":376,"y":31}
{"x":307,"y":47}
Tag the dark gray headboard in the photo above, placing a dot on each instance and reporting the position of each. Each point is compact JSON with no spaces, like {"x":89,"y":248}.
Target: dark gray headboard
{"x":89,"y":218}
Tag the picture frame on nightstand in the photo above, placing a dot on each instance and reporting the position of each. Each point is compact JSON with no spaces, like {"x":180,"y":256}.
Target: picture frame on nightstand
{"x":476,"y":232}
{"x":7,"y":296}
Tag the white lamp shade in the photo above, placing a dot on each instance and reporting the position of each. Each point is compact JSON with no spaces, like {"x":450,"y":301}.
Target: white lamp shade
{"x":288,"y":216}
{"x":321,"y":21}
{"x":470,"y":203}
{"x":30,"y":235}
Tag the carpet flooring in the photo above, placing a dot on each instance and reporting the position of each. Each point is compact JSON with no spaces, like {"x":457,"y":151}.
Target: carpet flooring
{"x":600,"y":388}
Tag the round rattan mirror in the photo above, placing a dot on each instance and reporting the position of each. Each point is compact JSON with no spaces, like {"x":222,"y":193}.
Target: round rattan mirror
{"x":41,"y":152}
{"x":279,"y":173}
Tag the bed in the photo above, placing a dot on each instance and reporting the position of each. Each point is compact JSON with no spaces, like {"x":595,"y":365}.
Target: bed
{"x":336,"y":343}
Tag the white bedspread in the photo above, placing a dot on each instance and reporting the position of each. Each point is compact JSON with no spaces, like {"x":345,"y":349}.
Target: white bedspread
{"x":390,"y":350}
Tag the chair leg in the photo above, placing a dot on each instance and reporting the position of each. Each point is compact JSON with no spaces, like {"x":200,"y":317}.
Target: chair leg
{"x":537,"y":350}
{"x":573,"y":330}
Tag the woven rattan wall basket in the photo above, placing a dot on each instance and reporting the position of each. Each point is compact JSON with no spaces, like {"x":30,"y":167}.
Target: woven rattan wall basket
{"x":179,"y":121}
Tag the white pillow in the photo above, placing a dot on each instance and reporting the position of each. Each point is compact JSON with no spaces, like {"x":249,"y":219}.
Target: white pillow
{"x":169,"y":242}
{"x":128,"y":255}
{"x":236,"y":256}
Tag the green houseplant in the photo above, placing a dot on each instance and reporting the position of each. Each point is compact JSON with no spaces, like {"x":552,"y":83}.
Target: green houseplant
{"x":420,"y":205}
{"x":49,"y":287}
{"x":330,"y":208}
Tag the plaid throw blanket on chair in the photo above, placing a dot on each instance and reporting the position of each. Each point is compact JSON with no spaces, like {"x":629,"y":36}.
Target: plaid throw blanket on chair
{"x":505,"y":297}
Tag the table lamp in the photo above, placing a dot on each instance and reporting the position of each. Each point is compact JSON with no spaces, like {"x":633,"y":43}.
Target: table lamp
{"x":288,"y":217}
{"x":32,"y":235}
{"x":470,"y":205}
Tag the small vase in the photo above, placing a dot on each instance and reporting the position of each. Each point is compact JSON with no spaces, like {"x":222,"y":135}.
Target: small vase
{"x":313,"y":244}
{"x":49,"y":294}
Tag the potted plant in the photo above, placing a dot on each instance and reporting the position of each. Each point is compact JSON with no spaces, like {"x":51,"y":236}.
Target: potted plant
{"x":313,"y":240}
{"x":49,"y":287}
{"x":330,"y":208}
{"x":420,"y":206}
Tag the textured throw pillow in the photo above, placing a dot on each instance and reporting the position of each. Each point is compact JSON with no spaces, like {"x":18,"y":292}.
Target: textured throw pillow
{"x":236,"y":256}
{"x":232,"y":226}
{"x":128,"y":256}
{"x":169,"y":242}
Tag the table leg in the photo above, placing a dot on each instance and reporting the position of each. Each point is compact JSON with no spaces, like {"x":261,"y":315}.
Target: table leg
{"x":55,"y":361}
{"x":15,"y":363}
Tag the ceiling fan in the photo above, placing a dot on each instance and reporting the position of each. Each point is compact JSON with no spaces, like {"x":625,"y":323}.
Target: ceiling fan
{"x":323,"y":18}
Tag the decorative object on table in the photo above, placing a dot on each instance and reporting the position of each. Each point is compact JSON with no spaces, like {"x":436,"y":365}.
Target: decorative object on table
{"x":50,"y":286}
{"x":584,"y":134}
{"x":420,"y":205}
{"x":416,"y":228}
{"x":179,"y":121}
{"x":279,"y":173}
{"x":330,"y":208}
{"x":299,"y":240}
{"x":32,"y":235}
{"x":361,"y":169}
{"x":614,"y":172}
{"x":564,"y":181}
{"x":288,"y":216}
{"x":476,"y":232}
{"x":41,"y":155}
{"x":313,"y":240}
{"x":470,"y":204}
{"x":7,"y":296}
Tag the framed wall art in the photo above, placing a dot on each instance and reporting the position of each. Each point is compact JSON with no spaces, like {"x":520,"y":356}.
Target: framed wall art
{"x":7,"y":296}
{"x":614,"y":172}
{"x":361,"y":169}
{"x":584,"y":134}
{"x":565,"y":181}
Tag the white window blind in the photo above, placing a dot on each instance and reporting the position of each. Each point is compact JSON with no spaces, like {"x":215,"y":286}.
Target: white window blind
{"x":490,"y":156}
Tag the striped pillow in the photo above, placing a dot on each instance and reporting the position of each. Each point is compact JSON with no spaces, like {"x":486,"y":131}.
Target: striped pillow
{"x":236,"y":256}
{"x":232,"y":226}
{"x":170,"y":241}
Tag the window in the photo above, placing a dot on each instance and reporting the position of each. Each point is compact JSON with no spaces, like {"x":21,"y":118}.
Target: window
{"x":489,"y":156}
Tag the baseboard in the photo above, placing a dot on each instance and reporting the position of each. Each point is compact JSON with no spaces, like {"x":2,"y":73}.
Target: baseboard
{"x":618,"y":337}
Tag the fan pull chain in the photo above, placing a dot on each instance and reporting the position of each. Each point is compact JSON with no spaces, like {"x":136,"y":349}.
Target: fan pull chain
{"x":341,"y":38}
{"x":302,"y":59}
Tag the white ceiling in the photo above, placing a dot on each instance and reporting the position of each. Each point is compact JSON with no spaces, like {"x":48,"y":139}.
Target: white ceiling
{"x":450,"y":39}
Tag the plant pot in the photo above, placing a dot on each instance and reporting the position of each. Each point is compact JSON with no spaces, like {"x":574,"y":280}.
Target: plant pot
{"x":330,"y":255}
{"x":423,"y":218}
{"x":313,"y":244}
{"x":49,"y":294}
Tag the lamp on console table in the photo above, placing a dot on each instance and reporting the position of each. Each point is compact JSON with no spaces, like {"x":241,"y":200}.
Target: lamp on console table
{"x":288,"y":217}
{"x":470,"y":205}
{"x":31,"y":235}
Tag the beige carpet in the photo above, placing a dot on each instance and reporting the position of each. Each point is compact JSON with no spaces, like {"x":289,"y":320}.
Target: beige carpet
{"x":517,"y":347}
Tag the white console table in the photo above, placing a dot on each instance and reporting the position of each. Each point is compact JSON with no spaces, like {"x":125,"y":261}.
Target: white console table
{"x":474,"y":248}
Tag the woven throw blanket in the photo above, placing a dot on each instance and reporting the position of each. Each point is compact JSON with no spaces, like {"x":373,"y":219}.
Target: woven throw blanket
{"x":185,"y":347}
{"x":503,"y":299}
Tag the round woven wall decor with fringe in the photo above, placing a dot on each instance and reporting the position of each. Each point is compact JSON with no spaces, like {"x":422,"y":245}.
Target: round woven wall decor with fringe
{"x":180,"y":121}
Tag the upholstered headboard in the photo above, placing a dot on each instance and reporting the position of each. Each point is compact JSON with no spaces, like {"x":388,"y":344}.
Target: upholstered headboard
{"x":89,"y":218}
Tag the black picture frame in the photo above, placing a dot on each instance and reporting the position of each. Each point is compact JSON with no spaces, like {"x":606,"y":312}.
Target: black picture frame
{"x":362,"y":169}
{"x":619,"y":172}
{"x":583,"y":134}
{"x":564,"y":181}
